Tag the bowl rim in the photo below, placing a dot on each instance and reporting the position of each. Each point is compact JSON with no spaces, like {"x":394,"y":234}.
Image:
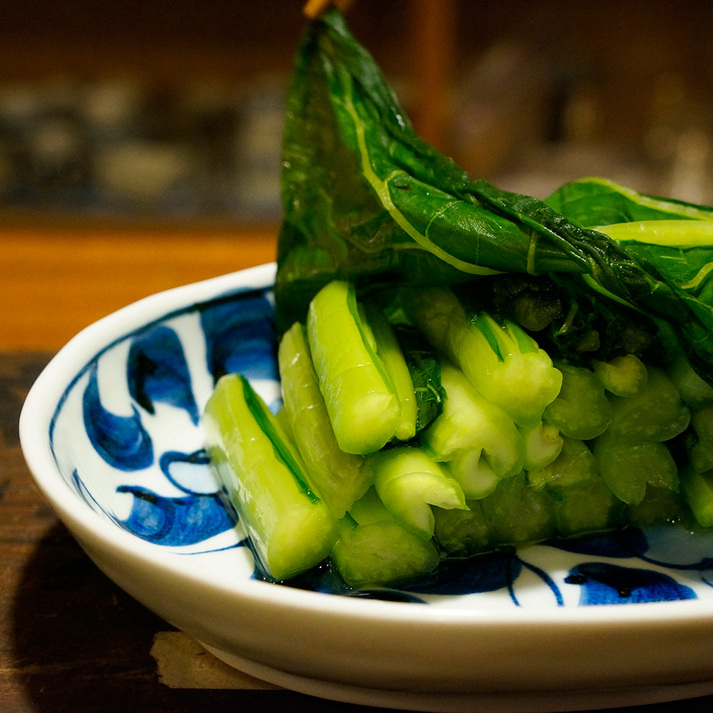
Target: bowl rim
{"x":44,"y":399}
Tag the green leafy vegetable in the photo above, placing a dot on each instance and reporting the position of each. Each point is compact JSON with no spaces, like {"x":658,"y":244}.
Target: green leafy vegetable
{"x":462,"y":368}
{"x":573,"y":466}
{"x":366,"y":199}
{"x":699,"y":491}
{"x":623,"y":375}
{"x":629,"y":465}
{"x":425,"y":373}
{"x":581,"y":409}
{"x":599,"y":201}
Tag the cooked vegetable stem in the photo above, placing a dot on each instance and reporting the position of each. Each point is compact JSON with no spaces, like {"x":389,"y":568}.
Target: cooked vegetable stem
{"x":357,"y":390}
{"x":338,"y":478}
{"x":290,"y":529}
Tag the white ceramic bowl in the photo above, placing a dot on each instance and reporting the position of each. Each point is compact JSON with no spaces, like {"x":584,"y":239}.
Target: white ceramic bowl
{"x":111,"y":431}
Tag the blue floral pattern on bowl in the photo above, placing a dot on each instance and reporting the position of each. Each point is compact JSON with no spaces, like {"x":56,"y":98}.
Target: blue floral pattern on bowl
{"x":127,"y":439}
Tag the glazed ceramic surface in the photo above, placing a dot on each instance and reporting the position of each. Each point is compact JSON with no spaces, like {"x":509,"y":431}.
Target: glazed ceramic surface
{"x":112,"y":433}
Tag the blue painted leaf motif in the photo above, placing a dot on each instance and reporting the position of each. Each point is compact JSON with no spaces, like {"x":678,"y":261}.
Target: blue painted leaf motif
{"x":157,"y":372}
{"x":175,"y":521}
{"x":81,"y":488}
{"x":679,"y":549}
{"x":189,"y":472}
{"x":472,"y":575}
{"x":240,"y":336}
{"x":677,"y":555}
{"x":121,"y":441}
{"x":604,"y":583}
{"x":621,"y":544}
{"x":547,"y":579}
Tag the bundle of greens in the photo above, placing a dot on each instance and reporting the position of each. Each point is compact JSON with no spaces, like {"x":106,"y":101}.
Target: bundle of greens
{"x":462,"y":368}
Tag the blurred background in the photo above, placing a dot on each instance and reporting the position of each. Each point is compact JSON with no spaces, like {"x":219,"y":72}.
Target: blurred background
{"x":140,"y":141}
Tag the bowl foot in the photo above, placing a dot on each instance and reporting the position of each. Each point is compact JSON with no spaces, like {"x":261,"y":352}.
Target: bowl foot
{"x":458,"y":702}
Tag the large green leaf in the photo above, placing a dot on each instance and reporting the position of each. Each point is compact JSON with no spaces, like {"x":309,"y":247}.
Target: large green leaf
{"x":670,"y":237}
{"x":366,"y":199}
{"x":594,"y":201}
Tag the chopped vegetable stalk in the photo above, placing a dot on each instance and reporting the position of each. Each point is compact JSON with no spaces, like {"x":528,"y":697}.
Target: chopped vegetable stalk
{"x":290,"y":529}
{"x":440,"y":317}
{"x":698,"y":488}
{"x":573,"y":466}
{"x":519,"y":514}
{"x":701,"y":451}
{"x":694,"y":391}
{"x":623,"y":375}
{"x":388,"y":348}
{"x":357,"y":391}
{"x":656,"y":413}
{"x":473,"y":473}
{"x":470,"y":422}
{"x":660,"y":506}
{"x":409,"y":483}
{"x":586,"y":507}
{"x":368,"y":510}
{"x":337,"y":477}
{"x":543,"y":444}
{"x":628,"y":465}
{"x":503,"y":362}
{"x":460,"y":533}
{"x":581,"y":410}
{"x":374,"y":550}
{"x":523,"y":381}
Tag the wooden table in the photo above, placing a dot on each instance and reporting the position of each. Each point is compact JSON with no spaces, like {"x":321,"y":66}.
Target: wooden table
{"x":60,"y":275}
{"x":70,"y":640}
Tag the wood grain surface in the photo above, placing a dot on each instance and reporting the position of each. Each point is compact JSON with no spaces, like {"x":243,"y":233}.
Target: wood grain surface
{"x":56,"y":280}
